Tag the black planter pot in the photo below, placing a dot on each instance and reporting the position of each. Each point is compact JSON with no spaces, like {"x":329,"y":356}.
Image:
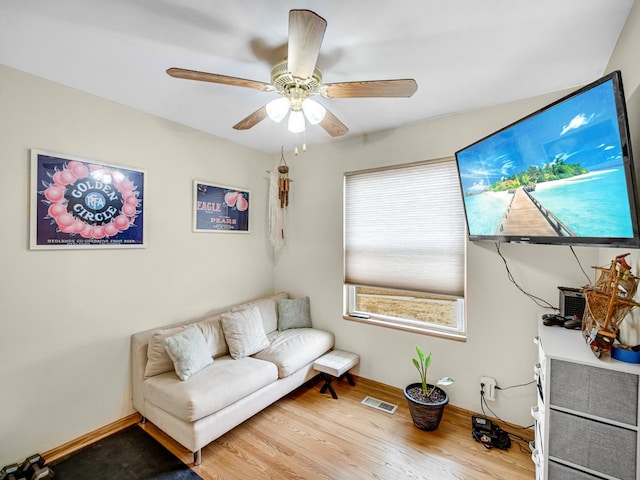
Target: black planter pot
{"x":426,"y":415}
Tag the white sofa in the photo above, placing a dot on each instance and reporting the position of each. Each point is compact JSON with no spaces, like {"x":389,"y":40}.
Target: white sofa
{"x":234,"y":386}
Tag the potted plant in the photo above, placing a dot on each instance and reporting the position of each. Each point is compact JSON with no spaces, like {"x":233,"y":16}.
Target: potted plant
{"x":426,"y":401}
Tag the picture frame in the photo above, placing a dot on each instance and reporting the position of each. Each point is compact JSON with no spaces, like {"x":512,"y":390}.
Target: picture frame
{"x":220,"y":208}
{"x":77,"y":203}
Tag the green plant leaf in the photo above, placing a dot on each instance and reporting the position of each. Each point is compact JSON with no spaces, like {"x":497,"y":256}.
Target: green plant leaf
{"x":420,"y":354}
{"x":422,"y":363}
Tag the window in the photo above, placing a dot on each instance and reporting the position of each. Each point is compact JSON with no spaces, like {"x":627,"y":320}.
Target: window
{"x":404,"y":248}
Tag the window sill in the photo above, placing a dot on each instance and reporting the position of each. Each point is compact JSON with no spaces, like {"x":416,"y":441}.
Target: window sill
{"x":460,"y":337}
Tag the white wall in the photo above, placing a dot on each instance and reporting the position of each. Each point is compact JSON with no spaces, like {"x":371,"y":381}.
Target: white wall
{"x":625,"y":59}
{"x":66,"y":316}
{"x":501,"y":321}
{"x":64,"y":358}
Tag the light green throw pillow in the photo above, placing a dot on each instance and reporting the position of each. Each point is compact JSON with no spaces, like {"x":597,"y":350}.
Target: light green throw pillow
{"x":294,"y":313}
{"x":189,"y":351}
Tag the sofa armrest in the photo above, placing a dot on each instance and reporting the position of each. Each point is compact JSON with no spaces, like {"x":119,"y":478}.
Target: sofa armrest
{"x":139,"y":346}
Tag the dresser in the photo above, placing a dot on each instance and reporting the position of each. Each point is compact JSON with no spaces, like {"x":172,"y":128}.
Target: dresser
{"x":586,"y":416}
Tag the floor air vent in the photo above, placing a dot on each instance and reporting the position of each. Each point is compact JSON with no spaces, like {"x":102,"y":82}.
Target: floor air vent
{"x":379,"y":404}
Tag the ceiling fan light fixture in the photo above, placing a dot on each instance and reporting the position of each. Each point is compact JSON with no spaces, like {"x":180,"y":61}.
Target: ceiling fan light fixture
{"x":277,"y":109}
{"x":297,"y":77}
{"x":296,"y":121}
{"x":313,"y":111}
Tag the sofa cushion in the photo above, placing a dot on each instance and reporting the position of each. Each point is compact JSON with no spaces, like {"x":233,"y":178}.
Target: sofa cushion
{"x":294,"y":313}
{"x":211,"y":389}
{"x":212,"y":330}
{"x":268,"y":310}
{"x":189,"y":351}
{"x":244,"y":332}
{"x":292,"y":349}
{"x":158,"y":360}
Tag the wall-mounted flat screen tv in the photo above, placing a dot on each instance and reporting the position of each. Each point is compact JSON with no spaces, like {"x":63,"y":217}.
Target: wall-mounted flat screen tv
{"x":562,"y":175}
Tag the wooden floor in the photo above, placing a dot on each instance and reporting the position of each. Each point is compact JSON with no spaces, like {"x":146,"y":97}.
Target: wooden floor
{"x":307,"y":435}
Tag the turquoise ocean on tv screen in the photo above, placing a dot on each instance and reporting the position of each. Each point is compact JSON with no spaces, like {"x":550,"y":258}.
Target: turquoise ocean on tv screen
{"x":592,"y":205}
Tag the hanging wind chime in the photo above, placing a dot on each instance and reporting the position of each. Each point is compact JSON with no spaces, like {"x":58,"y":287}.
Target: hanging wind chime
{"x":283,"y":183}
{"x":278,"y":201}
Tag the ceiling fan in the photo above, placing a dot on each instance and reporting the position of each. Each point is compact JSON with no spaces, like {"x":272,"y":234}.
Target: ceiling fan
{"x":298,"y":78}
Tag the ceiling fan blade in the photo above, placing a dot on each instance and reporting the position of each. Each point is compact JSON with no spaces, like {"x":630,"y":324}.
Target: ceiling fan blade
{"x":306,"y":31}
{"x":216,"y":78}
{"x":253,"y":119}
{"x":374,"y":88}
{"x":332,"y":125}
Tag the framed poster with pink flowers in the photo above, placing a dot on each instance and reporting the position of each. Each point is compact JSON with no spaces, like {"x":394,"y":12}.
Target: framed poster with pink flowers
{"x":219,"y":208}
{"x":80,"y":203}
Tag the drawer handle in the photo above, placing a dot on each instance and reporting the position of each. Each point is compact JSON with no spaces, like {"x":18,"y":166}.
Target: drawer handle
{"x":535,"y":457}
{"x":536,"y":371}
{"x":535,"y":413}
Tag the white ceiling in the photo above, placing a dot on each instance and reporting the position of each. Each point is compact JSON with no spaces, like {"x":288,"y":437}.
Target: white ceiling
{"x":464,"y":54}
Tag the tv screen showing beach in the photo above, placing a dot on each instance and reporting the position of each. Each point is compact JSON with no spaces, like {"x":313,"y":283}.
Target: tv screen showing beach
{"x":560,"y":173}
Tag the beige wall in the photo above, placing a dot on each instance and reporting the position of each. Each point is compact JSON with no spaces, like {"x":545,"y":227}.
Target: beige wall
{"x":66,"y":316}
{"x":625,"y":59}
{"x":501,"y":321}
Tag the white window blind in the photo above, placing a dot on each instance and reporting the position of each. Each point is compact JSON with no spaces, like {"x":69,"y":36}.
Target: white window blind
{"x":405,"y":228}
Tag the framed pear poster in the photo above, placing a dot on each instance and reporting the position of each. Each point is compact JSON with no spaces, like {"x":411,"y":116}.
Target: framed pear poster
{"x":219,"y":208}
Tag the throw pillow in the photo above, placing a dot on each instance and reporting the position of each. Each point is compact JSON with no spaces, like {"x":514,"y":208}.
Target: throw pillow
{"x":294,"y":313}
{"x":188,"y":351}
{"x":244,"y":332}
{"x":212,"y":330}
{"x":268,"y":310}
{"x":158,"y":360}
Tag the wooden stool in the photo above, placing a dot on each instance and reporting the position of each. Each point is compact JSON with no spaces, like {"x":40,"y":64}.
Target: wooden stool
{"x":335,"y":364}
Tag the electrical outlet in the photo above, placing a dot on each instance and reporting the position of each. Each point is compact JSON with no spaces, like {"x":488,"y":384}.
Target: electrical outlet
{"x":488,"y":386}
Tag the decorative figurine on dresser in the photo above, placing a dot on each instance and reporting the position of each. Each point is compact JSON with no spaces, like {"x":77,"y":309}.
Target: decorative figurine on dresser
{"x":608,"y":302}
{"x":587,"y":416}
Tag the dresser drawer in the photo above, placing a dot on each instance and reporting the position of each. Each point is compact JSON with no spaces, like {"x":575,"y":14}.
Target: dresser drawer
{"x":558,"y":471}
{"x":594,"y":445}
{"x":601,"y":392}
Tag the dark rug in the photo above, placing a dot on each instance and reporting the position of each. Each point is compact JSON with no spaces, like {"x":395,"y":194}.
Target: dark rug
{"x":130,"y":454}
